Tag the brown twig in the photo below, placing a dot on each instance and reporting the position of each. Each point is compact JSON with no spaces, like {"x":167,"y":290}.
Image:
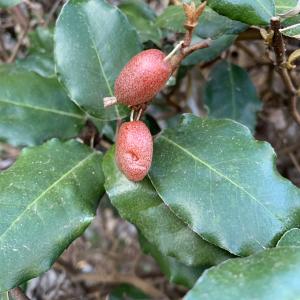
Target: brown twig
{"x":281,"y":63}
{"x":118,"y":278}
{"x":18,"y":294}
{"x":18,"y":45}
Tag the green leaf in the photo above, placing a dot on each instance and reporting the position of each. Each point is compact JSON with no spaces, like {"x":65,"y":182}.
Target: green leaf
{"x":293,"y":30}
{"x":252,"y":12}
{"x":272,"y":274}
{"x":34,"y":108}
{"x":47,"y":199}
{"x":222,"y":183}
{"x":290,"y":238}
{"x":40,"y":58}
{"x":283,"y":6}
{"x":175,"y":271}
{"x":230,"y":93}
{"x":213,"y":51}
{"x":4,"y":296}
{"x":142,"y":18}
{"x":93,"y":42}
{"x":126,"y":291}
{"x":9,"y":3}
{"x":291,"y":24}
{"x":140,"y":205}
{"x":211,"y":24}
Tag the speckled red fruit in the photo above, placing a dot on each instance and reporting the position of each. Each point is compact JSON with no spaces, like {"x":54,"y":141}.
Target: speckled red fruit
{"x":142,"y":78}
{"x":134,"y":149}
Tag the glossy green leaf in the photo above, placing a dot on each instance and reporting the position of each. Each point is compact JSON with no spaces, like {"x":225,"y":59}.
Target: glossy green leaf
{"x":211,"y":24}
{"x":291,"y":22}
{"x":93,"y":42}
{"x":175,"y":271}
{"x":47,"y":199}
{"x":142,"y":18}
{"x":40,"y":58}
{"x":293,"y":30}
{"x":290,"y":238}
{"x":230,"y":93}
{"x":284,"y":6}
{"x":4,"y":296}
{"x":9,"y":3}
{"x":140,"y":205}
{"x":34,"y":108}
{"x":213,"y":51}
{"x":272,"y":274}
{"x":222,"y":183}
{"x":252,"y":12}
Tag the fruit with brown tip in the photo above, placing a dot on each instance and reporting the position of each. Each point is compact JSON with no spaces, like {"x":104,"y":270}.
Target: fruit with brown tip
{"x":134,"y":150}
{"x":142,"y":78}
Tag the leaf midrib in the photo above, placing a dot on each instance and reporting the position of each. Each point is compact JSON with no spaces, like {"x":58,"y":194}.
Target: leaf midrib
{"x":28,"y":207}
{"x":221,"y":175}
{"x":111,"y":94}
{"x":48,"y":110}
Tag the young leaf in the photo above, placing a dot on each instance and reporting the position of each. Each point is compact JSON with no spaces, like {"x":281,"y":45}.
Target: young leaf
{"x":93,"y":42}
{"x":252,"y":12}
{"x":230,"y":93}
{"x":290,"y":238}
{"x":222,"y":183}
{"x":211,"y":24}
{"x":272,"y":274}
{"x":140,"y":204}
{"x":47,"y":199}
{"x":34,"y":108}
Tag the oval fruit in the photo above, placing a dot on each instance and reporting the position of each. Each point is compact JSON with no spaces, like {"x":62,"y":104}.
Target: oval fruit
{"x":142,"y":78}
{"x":134,"y":149}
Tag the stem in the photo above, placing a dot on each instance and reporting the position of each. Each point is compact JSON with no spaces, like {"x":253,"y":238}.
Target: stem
{"x":281,"y":63}
{"x":176,"y":60}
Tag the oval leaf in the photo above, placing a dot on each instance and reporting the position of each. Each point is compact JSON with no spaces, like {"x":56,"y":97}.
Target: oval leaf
{"x":211,"y":24}
{"x":290,"y":238}
{"x":140,"y":204}
{"x":252,"y":12}
{"x":47,"y":199}
{"x":230,"y":93}
{"x":93,"y":42}
{"x":34,"y":109}
{"x":270,"y":275}
{"x":142,"y":18}
{"x":9,"y":3}
{"x":223,"y":184}
{"x":293,"y":30}
{"x":283,"y":7}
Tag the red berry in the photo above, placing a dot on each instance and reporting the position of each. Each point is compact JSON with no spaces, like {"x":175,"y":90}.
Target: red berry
{"x":134,"y":149}
{"x":142,"y":78}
